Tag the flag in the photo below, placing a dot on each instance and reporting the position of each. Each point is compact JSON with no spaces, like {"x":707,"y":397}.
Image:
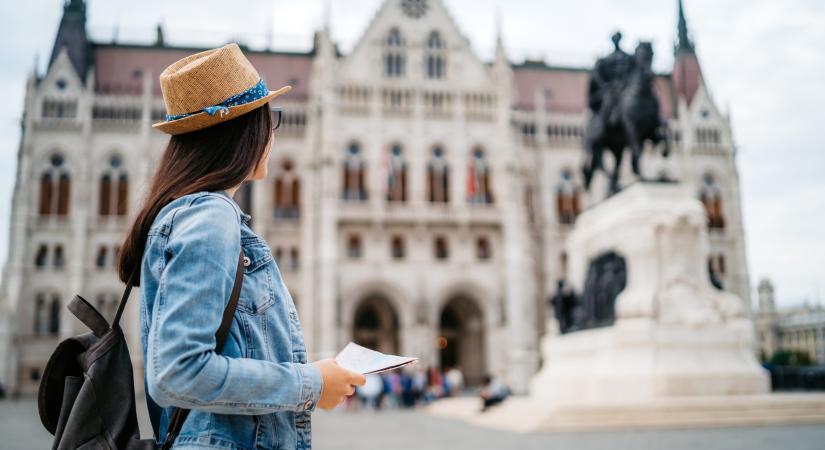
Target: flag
{"x":388,"y":173}
{"x":471,"y":181}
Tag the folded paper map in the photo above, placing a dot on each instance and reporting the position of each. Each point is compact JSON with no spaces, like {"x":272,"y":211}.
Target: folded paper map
{"x":363,"y":360}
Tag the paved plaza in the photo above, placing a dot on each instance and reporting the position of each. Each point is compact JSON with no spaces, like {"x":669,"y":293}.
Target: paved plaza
{"x":20,"y":429}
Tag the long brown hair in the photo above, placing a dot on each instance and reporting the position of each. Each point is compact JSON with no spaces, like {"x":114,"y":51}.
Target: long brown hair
{"x":212,"y":159}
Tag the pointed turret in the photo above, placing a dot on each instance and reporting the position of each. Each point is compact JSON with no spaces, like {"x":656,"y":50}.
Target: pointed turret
{"x":686,"y":71}
{"x":323,"y":46}
{"x":159,"y":39}
{"x":500,"y":53}
{"x":766,"y":298}
{"x":501,"y":64}
{"x":324,"y":54}
{"x":71,"y":35}
{"x":683,"y":41}
{"x":322,"y":41}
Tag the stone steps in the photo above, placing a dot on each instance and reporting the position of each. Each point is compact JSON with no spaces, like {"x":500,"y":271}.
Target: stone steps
{"x":523,"y":414}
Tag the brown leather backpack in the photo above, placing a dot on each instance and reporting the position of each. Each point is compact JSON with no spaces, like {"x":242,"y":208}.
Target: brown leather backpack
{"x":86,"y":397}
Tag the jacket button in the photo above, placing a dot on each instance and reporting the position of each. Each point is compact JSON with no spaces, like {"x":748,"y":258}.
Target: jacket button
{"x":308,"y":405}
{"x":246,"y":261}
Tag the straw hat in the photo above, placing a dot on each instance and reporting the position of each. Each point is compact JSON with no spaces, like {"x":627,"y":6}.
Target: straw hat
{"x":211,"y":87}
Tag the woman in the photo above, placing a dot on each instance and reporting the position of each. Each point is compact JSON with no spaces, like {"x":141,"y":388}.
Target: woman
{"x":184,"y":243}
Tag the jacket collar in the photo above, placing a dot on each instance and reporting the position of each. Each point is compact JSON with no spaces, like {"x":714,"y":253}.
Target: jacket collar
{"x":245,"y":218}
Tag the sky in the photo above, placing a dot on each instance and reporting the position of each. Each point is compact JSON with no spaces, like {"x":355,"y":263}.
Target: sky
{"x":763,"y":60}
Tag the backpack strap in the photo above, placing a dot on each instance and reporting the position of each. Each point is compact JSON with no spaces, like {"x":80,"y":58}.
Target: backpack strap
{"x":122,"y":305}
{"x":88,"y":315}
{"x":180,"y":414}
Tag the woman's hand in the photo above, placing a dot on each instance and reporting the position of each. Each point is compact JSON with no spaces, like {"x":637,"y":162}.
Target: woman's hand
{"x":339,"y":383}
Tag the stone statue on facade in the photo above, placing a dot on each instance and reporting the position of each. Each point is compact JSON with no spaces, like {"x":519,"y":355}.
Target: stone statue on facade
{"x":625,"y":111}
{"x":596,"y":306}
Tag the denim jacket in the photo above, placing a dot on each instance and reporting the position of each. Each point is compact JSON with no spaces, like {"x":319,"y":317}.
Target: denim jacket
{"x":258,"y":393}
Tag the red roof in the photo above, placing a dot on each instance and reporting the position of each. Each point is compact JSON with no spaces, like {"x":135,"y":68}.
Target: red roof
{"x":567,"y":88}
{"x":119,"y":68}
{"x":564,"y":90}
{"x":686,"y":74}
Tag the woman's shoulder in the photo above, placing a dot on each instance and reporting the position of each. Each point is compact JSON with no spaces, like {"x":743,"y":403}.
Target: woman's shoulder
{"x":203,"y":208}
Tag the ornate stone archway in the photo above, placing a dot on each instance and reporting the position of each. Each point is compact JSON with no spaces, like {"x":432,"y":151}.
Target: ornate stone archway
{"x":461,"y":337}
{"x":375,"y":324}
{"x":375,"y":313}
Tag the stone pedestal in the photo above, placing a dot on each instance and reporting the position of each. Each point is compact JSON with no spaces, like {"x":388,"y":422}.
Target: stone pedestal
{"x":675,"y":335}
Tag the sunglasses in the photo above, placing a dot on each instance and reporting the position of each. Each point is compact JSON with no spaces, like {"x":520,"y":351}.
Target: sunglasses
{"x":276,"y":116}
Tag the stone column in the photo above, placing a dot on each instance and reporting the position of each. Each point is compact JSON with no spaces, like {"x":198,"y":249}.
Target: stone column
{"x":319,"y":215}
{"x":519,"y":277}
{"x":81,"y":188}
{"x":14,"y":297}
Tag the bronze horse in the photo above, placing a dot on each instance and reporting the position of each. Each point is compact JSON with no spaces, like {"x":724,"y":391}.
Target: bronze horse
{"x":625,"y":112}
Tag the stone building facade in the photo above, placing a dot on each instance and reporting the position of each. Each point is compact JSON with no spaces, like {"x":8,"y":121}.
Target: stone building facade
{"x":418,"y":201}
{"x":800,"y":328}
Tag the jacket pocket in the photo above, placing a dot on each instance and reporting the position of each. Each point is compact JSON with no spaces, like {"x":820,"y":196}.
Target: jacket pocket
{"x":257,"y":292}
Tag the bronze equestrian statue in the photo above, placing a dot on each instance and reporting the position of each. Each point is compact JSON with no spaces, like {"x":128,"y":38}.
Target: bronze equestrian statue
{"x":625,"y":111}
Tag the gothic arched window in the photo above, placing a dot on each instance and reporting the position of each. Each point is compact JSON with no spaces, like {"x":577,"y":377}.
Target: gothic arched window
{"x":354,"y":248}
{"x":397,"y":247}
{"x":54,"y":315}
{"x":434,"y":41}
{"x":63,"y":188}
{"x":114,"y":189}
{"x":711,"y":198}
{"x":100,"y":258}
{"x":436,"y":56}
{"x":441,"y":248}
{"x":122,"y":193}
{"x":438,"y":177}
{"x":40,"y":314}
{"x":55,"y":187}
{"x":483,"y":248}
{"x":354,"y":174}
{"x":46,"y":191}
{"x":396,"y":175}
{"x":478,"y":179}
{"x":287,"y":192}
{"x":394,"y":54}
{"x":59,"y":259}
{"x":568,"y":204}
{"x":41,"y":256}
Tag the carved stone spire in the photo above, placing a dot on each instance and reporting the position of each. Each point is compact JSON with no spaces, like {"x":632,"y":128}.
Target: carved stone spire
{"x":501,"y":53}
{"x":683,"y":41}
{"x":687,"y":73}
{"x":501,"y":64}
{"x":71,"y":35}
{"x":159,"y":40}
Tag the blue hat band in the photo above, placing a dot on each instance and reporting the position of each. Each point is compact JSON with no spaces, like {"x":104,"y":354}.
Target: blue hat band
{"x":252,"y":94}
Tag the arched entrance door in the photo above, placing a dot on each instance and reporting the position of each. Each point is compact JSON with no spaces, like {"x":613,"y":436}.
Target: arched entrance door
{"x":375,"y":325}
{"x":461,"y":338}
